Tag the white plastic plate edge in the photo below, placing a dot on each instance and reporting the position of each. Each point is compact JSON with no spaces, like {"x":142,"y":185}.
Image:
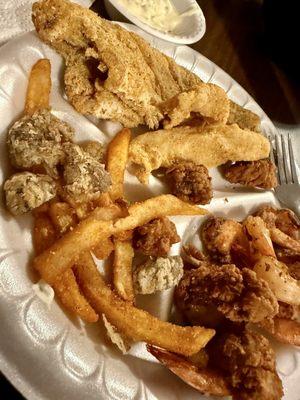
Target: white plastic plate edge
{"x":42,"y":353}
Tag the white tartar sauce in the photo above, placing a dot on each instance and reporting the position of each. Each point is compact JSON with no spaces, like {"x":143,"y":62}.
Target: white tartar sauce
{"x":159,"y":14}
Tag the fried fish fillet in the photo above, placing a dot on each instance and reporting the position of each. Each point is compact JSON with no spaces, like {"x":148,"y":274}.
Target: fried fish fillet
{"x":211,"y":145}
{"x":245,"y":119}
{"x":112,"y":73}
{"x":205,"y":100}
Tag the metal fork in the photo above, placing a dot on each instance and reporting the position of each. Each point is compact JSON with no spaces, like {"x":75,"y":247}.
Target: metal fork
{"x":288,"y":190}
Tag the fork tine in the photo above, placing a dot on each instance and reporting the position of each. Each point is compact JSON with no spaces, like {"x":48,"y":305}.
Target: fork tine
{"x":286,"y":159}
{"x":294,"y":174}
{"x":272,"y":158}
{"x":279,"y":156}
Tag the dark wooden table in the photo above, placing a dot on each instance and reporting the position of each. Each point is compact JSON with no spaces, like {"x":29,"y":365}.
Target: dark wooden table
{"x":237,"y":41}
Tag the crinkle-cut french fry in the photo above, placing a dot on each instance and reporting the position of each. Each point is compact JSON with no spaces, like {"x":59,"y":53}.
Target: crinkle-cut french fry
{"x":117,"y":156}
{"x":39,"y":87}
{"x":85,"y":236}
{"x":66,"y":287}
{"x":206,"y":380}
{"x":135,"y":323}
{"x":122,"y":269}
{"x":100,"y":225}
{"x":104,"y":249}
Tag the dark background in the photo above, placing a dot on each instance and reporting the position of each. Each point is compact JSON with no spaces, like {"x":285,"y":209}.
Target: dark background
{"x":255,"y":42}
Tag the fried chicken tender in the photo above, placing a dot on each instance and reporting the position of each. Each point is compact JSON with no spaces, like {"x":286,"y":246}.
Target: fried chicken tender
{"x":156,"y":237}
{"x":249,"y":362}
{"x":238,"y":294}
{"x":190,"y":182}
{"x":218,"y":235}
{"x":260,"y":173}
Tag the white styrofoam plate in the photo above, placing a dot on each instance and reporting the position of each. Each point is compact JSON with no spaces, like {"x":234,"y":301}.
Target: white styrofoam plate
{"x":50,"y":354}
{"x":190,"y":30}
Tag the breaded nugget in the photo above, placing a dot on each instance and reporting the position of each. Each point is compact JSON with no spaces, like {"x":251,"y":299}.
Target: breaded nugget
{"x":211,"y":146}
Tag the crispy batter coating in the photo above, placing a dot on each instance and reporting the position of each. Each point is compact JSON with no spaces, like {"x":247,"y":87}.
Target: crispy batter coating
{"x":190,"y":182}
{"x":210,"y":145}
{"x":249,"y":362}
{"x":260,"y":173}
{"x":204,"y":100}
{"x":245,"y":119}
{"x":288,"y":311}
{"x":25,"y":191}
{"x":283,"y":219}
{"x":156,"y":237}
{"x":36,"y":141}
{"x":85,"y":177}
{"x":238,"y":294}
{"x":218,"y":235}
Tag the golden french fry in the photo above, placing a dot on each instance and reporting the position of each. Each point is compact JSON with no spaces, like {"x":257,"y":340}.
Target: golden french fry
{"x":63,"y":216}
{"x":66,"y":287}
{"x":133,"y":322}
{"x":44,"y":233}
{"x":68,"y":292}
{"x":206,"y":380}
{"x":122,"y":272}
{"x":39,"y":86}
{"x":117,"y":155}
{"x":155,"y":207}
{"x":100,"y":225}
{"x":85,"y":236}
{"x":104,"y":249}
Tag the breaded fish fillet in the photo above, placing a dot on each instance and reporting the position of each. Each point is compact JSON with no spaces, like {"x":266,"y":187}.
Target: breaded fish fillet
{"x":245,"y":119}
{"x":211,"y":145}
{"x":111,"y":73}
{"x":205,"y":100}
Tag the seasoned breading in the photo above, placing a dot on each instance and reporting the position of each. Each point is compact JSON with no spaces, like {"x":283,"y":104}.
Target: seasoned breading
{"x":260,"y":173}
{"x":156,"y":237}
{"x":238,"y":294}
{"x":245,"y":119}
{"x":36,"y":140}
{"x":110,"y":73}
{"x":157,"y":274}
{"x":248,"y":361}
{"x":85,"y":177}
{"x":205,"y":100}
{"x":26,"y":191}
{"x":190,"y":182}
{"x":211,"y":146}
{"x":218,"y":235}
{"x":283,"y":219}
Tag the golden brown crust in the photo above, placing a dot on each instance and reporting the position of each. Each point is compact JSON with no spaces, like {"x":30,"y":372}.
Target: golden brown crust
{"x":211,"y":146}
{"x":102,"y":75}
{"x":259,"y":173}
{"x":245,"y":119}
